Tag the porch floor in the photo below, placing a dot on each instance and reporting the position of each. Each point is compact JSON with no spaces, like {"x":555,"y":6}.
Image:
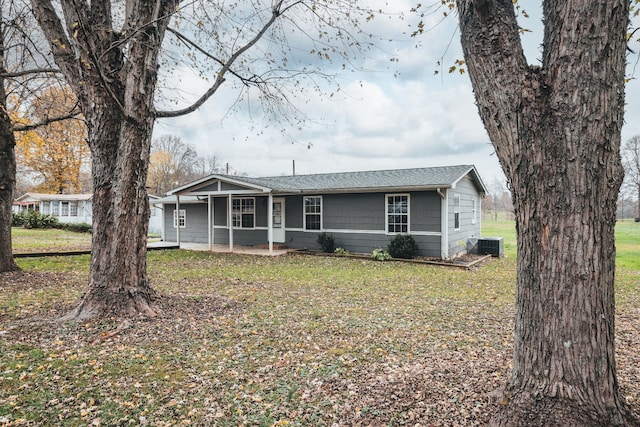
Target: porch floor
{"x":237,"y":249}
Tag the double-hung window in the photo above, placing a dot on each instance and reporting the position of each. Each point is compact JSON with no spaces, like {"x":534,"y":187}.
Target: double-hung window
{"x":243,"y":212}
{"x":179,"y":218}
{"x":313,"y":213}
{"x":397,"y":213}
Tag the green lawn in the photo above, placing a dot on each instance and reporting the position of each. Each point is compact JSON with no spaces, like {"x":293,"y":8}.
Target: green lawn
{"x":48,"y":240}
{"x":294,"y":340}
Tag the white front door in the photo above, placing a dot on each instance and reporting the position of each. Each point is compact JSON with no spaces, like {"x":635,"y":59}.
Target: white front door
{"x":278,"y":220}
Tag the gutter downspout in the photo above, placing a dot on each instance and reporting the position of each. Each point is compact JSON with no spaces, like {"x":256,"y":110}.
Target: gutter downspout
{"x":230,"y":221}
{"x":209,"y":222}
{"x":178,"y":219}
{"x":444,"y":220}
{"x":270,"y":223}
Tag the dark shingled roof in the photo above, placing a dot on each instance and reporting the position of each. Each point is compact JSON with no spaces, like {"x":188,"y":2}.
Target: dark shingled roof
{"x":433,"y":177}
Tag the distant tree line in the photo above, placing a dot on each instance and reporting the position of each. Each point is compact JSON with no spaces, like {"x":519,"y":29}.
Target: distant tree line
{"x":174,"y":162}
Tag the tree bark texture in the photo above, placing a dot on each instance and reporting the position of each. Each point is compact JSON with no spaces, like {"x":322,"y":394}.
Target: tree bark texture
{"x":7,"y":173}
{"x":556,"y":131}
{"x":7,"y":183}
{"x":113,"y":73}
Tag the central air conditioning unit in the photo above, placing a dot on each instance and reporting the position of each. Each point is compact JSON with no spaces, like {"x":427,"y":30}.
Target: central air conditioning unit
{"x":493,"y":246}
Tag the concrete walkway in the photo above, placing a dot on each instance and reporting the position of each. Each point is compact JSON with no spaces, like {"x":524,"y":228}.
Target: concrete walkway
{"x":237,"y":249}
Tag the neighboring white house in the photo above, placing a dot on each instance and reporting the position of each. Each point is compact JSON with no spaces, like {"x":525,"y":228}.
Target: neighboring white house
{"x":63,"y":207}
{"x":74,"y":208}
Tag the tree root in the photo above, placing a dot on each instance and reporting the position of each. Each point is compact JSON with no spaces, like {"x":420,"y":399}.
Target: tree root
{"x":552,"y":412}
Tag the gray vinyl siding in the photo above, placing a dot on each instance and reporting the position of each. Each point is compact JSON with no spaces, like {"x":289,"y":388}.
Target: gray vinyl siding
{"x":293,"y":212}
{"x":211,"y":187}
{"x":367,"y":211}
{"x":346,"y":214}
{"x":458,"y":239}
{"x":221,"y":213}
{"x":360,"y":242}
{"x":241,"y":237}
{"x":262,"y":213}
{"x":353,"y":211}
{"x":225,"y":186}
{"x":425,"y":212}
{"x":196,"y":223}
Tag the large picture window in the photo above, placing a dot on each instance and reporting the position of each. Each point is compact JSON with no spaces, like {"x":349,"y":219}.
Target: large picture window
{"x":179,"y":218}
{"x":398,"y":213}
{"x":243,"y":212}
{"x":313,"y":213}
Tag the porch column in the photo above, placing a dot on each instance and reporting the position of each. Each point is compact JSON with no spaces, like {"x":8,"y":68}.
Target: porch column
{"x":177,"y":219}
{"x":270,"y":223}
{"x":209,"y":222}
{"x":230,"y":222}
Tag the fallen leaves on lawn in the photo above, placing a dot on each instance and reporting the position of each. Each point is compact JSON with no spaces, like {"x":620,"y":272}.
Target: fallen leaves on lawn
{"x":292,"y":341}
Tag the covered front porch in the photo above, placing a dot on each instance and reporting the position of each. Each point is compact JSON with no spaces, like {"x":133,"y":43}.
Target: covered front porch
{"x":239,"y":217}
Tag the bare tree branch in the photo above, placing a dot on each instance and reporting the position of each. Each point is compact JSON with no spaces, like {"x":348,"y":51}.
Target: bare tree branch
{"x":48,"y":120}
{"x":22,"y":73}
{"x":226,"y":67}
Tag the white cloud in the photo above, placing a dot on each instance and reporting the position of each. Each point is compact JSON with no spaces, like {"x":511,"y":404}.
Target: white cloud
{"x":375,"y":121}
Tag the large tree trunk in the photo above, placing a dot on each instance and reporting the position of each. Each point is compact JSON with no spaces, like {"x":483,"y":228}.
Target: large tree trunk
{"x":113,"y":73}
{"x":118,"y":283}
{"x":7,"y":184}
{"x":7,"y":174}
{"x":556,"y":130}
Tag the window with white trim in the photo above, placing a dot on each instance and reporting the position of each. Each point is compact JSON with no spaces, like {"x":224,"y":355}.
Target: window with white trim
{"x":456,"y":212}
{"x":313,"y":213}
{"x":243,"y":212}
{"x":397,"y":217}
{"x":64,"y":208}
{"x":474,"y":209}
{"x":55,"y":208}
{"x":73,"y":208}
{"x":179,"y":217}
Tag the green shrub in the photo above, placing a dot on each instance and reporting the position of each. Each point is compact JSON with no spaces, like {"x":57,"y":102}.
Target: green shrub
{"x":326,"y":242}
{"x":18,"y":218}
{"x":34,"y":219}
{"x":78,"y":227}
{"x":380,"y":254}
{"x":341,"y":251}
{"x":403,"y":246}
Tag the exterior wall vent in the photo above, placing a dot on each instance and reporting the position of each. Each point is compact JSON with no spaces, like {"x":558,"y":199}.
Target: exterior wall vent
{"x":493,"y":246}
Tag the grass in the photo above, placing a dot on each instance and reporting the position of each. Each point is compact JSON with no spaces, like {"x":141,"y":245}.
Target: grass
{"x":295,"y":340}
{"x":44,"y":240}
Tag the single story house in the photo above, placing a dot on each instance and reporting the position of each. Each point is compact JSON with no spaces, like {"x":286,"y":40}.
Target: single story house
{"x":75,"y":208}
{"x":63,"y":207}
{"x":439,"y":206}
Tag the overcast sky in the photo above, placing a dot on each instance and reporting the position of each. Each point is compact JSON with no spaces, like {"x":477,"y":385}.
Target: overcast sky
{"x":394,"y":115}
